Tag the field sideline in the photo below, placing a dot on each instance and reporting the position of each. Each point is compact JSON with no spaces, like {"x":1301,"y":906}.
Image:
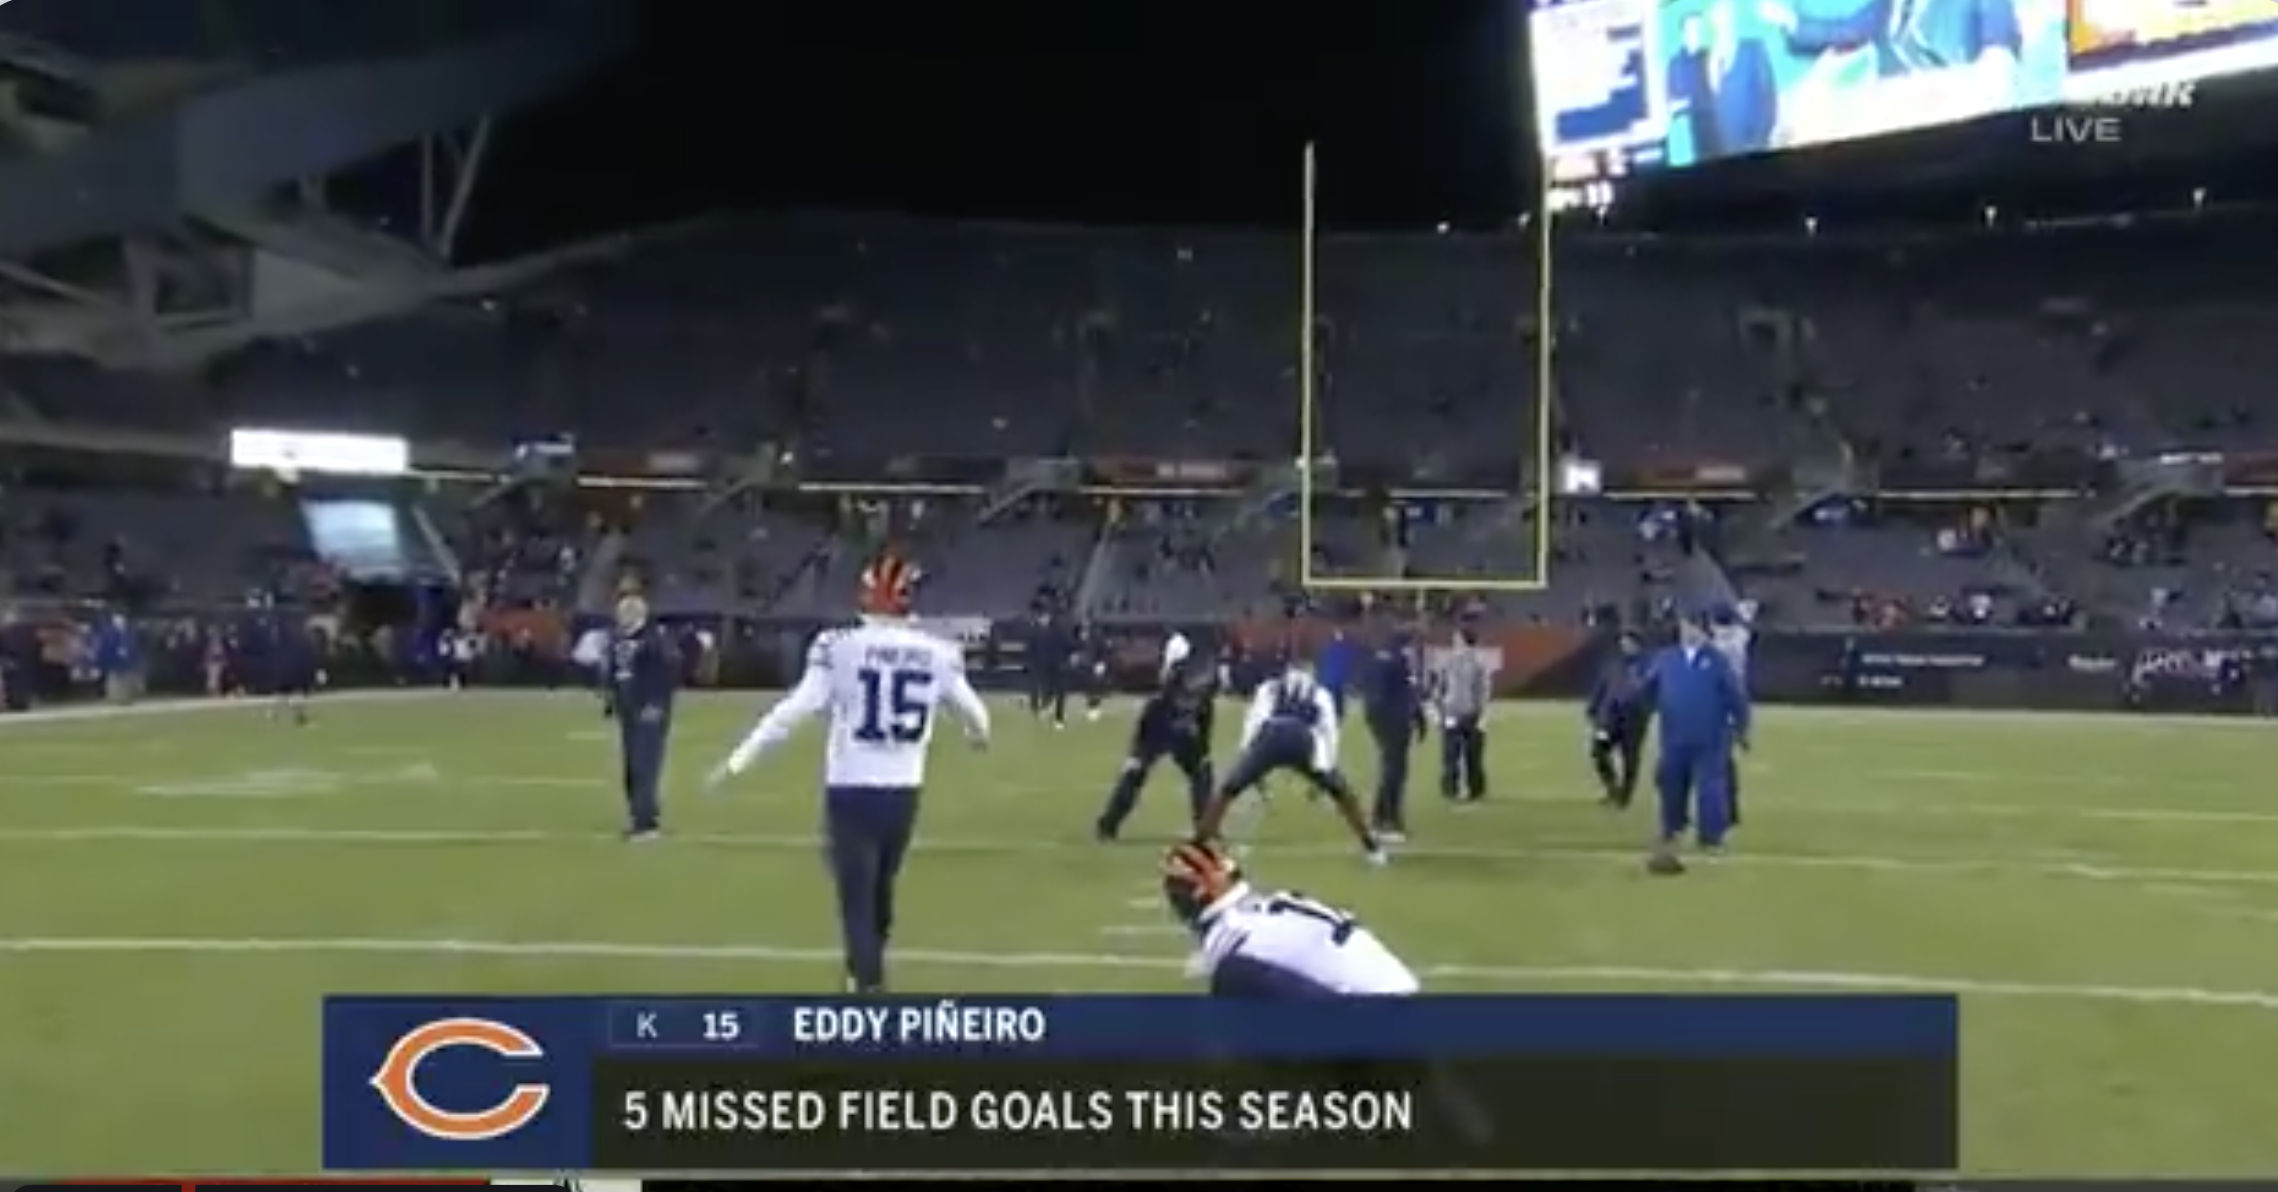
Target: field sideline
{"x":180,"y":883}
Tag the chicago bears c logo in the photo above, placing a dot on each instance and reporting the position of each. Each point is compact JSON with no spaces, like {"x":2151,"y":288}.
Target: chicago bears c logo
{"x":397,"y":1081}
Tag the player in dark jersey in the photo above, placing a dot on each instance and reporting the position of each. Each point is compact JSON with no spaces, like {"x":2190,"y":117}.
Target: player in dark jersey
{"x":1176,"y":723}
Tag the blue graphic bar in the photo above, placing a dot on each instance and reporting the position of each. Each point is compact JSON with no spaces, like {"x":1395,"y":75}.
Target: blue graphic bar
{"x":507,"y":1083}
{"x":1166,"y":1027}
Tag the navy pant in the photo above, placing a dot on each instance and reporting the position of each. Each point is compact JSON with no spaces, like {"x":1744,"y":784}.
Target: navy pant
{"x":1278,"y":746}
{"x":642,"y":734}
{"x":1617,"y":751}
{"x":15,"y":686}
{"x":866,"y":831}
{"x":1463,"y":758}
{"x":1190,"y":755}
{"x":1393,"y":742}
{"x":1692,"y":779}
{"x":295,"y":679}
{"x":1048,"y":693}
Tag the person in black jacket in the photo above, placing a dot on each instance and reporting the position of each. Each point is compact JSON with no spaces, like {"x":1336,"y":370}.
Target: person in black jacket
{"x":19,"y":661}
{"x":1052,"y":659}
{"x":644,"y":674}
{"x":1392,"y":693}
{"x":1620,"y":714}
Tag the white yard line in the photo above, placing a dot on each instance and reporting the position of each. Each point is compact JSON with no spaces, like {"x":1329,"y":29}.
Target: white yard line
{"x":2029,"y":811}
{"x":1742,"y":859}
{"x":2185,"y":890}
{"x":1143,"y":917}
{"x":1504,"y":714}
{"x":2020,"y":811}
{"x":2103,"y":722}
{"x":69,"y":713}
{"x":2248,"y":999}
{"x":35,"y":782}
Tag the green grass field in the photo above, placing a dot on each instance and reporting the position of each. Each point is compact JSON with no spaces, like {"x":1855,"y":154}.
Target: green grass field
{"x":178,"y":888}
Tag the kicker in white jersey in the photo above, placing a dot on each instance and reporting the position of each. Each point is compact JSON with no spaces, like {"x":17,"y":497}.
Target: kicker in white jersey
{"x":880,"y":684}
{"x":1274,"y":944}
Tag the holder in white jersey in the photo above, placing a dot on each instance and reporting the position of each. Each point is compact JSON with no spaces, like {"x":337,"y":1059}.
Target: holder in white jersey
{"x":1274,"y":693}
{"x":1311,"y":941}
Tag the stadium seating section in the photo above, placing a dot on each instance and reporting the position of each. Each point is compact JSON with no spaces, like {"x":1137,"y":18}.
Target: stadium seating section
{"x":846,"y":344}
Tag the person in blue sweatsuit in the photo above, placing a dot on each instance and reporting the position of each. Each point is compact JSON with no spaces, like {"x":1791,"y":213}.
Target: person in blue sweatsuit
{"x":1703,"y":712}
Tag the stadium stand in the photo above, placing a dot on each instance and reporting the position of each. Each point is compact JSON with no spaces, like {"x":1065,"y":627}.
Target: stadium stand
{"x":1818,"y":375}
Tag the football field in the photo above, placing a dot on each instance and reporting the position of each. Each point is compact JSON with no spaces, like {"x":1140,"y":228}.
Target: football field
{"x":179,"y":886}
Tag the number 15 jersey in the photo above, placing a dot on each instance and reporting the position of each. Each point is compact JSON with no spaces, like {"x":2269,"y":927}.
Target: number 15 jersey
{"x":880,"y":684}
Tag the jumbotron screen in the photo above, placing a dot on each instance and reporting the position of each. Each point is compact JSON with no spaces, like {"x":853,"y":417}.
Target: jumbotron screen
{"x":1624,"y":87}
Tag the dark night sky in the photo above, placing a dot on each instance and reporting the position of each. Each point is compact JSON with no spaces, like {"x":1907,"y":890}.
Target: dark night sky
{"x":1118,"y":110}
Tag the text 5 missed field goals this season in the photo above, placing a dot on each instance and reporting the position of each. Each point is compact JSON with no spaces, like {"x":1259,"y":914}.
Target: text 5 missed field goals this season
{"x":1106,"y":1111}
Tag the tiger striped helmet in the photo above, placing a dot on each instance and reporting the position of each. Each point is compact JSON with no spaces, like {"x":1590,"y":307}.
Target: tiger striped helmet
{"x":1196,"y":875}
{"x":889,"y":587}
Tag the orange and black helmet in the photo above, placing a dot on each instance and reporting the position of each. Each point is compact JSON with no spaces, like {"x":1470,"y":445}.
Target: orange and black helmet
{"x":889,"y":588}
{"x":1196,"y":875}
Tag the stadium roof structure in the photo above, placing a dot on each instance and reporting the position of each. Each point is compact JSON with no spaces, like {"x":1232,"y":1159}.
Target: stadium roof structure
{"x":170,"y":201}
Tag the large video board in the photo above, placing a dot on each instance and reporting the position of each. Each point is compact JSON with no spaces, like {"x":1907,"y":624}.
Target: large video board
{"x":1630,"y":86}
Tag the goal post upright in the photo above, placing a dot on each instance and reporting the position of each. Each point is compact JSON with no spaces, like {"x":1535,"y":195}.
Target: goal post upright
{"x":1540,"y":459}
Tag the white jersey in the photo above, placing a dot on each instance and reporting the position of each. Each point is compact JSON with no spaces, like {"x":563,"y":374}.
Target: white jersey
{"x":1733,"y":641}
{"x":1296,"y":698}
{"x":1176,"y":649}
{"x":592,"y":648}
{"x":880,"y":684}
{"x":1308,"y":939}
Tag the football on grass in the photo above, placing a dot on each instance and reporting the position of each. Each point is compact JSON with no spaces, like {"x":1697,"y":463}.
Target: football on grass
{"x":1664,"y":864}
